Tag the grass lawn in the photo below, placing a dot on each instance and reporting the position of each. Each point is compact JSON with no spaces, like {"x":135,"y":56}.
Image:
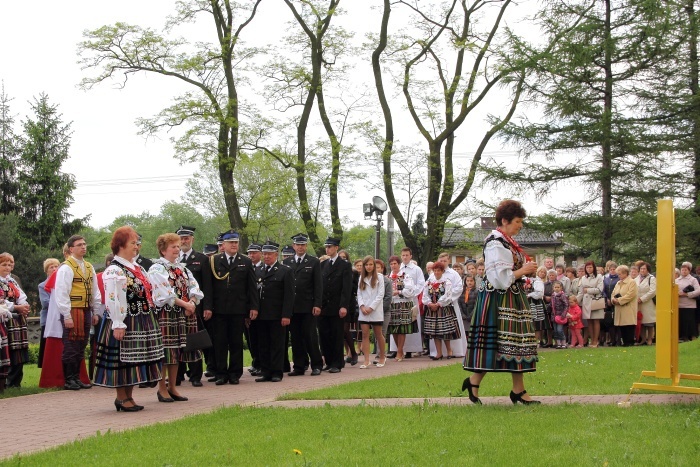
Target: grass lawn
{"x":610,"y":370}
{"x":30,"y":383}
{"x":418,"y":435}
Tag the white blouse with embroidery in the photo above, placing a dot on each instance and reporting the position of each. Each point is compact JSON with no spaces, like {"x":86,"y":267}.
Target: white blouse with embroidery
{"x":163,"y":292}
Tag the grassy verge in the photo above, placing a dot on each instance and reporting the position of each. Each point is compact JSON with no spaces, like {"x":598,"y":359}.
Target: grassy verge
{"x":417,"y":435}
{"x":609,"y":370}
{"x":30,"y":383}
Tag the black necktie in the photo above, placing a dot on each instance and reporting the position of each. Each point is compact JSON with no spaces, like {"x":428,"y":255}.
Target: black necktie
{"x":267,"y":269}
{"x":230,"y":261}
{"x":298,"y":260}
{"x":184,"y":258}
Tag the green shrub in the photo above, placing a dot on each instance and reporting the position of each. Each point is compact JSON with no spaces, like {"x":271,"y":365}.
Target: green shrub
{"x":33,"y":353}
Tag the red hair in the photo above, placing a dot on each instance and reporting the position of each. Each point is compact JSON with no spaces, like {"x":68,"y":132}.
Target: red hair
{"x":121,"y":237}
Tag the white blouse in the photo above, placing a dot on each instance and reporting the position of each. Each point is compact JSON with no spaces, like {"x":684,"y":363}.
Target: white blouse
{"x":115,"y":291}
{"x":537,"y":289}
{"x":372,"y":298}
{"x":409,"y":290}
{"x":164,"y":293}
{"x":21,"y":300}
{"x":445,"y":299}
{"x":498,"y":263}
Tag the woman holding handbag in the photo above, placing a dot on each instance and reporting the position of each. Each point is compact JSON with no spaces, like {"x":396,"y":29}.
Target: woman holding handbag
{"x":175,"y":295}
{"x":590,"y":297}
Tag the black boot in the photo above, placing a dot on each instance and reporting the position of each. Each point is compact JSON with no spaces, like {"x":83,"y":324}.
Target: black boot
{"x":76,"y":376}
{"x":69,"y":384}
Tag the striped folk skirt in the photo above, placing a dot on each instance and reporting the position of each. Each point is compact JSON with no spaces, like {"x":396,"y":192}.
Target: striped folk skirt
{"x":539,"y":318}
{"x":502,"y":335}
{"x":18,"y":340}
{"x":4,"y":352}
{"x":136,"y":359}
{"x":401,"y":321}
{"x":174,"y":326}
{"x":441,"y":323}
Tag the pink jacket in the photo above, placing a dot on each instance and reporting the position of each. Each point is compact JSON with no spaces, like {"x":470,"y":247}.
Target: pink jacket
{"x":575,"y":320}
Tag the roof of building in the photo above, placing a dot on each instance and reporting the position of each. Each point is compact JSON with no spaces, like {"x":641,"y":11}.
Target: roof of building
{"x":457,"y":236}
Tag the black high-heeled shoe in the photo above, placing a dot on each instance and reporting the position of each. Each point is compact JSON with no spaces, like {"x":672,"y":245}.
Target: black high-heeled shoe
{"x":515,"y":398}
{"x":467,"y":384}
{"x":164,"y":399}
{"x":436,"y":358}
{"x":140,"y":407}
{"x":119,"y":404}
{"x":177,"y":398}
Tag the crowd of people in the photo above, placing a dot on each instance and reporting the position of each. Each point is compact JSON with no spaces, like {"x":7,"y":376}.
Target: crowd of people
{"x":156,"y":323}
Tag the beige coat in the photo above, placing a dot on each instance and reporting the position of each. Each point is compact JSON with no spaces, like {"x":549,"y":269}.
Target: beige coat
{"x":626,"y":310}
{"x":646,"y":290}
{"x":594,"y":289}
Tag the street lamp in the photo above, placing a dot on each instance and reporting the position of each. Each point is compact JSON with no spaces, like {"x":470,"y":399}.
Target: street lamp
{"x":377,"y":207}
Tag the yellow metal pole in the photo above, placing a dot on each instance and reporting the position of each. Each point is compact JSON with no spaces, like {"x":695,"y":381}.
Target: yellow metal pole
{"x":666,"y":293}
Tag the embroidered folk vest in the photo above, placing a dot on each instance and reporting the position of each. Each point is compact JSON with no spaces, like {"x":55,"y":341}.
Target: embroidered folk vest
{"x":81,"y":289}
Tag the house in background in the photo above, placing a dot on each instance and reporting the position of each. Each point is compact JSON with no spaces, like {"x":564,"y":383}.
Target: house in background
{"x":464,"y":243}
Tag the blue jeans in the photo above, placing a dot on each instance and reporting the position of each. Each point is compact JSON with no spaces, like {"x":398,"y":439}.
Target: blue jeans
{"x":559,"y":332}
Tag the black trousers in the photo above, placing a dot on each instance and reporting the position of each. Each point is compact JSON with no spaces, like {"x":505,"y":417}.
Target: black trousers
{"x":251,"y":336}
{"x":330,"y":333}
{"x":271,"y":346}
{"x":627,"y":333}
{"x":305,"y":346}
{"x":228,"y":345}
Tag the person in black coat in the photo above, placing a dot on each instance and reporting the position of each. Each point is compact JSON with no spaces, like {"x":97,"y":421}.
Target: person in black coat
{"x":276,"y":305}
{"x":337,"y":285}
{"x":197,"y":263}
{"x":140,"y":260}
{"x":230,"y":296}
{"x":307,"y":306}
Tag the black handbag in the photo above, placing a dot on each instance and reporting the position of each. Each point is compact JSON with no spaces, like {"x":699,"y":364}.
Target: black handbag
{"x":199,"y":340}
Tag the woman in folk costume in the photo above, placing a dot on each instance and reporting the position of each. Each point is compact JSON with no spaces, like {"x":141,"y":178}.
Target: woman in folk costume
{"x":441,"y":321}
{"x":129,"y":342}
{"x":403,"y":290}
{"x":502,"y":338}
{"x":176,"y":294}
{"x":5,"y":316}
{"x":17,"y":334}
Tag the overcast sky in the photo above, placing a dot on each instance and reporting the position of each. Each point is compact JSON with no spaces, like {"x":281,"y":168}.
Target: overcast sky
{"x":119,"y":172}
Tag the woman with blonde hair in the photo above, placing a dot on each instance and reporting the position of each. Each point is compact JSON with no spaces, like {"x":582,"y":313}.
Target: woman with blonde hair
{"x":370,"y":298}
{"x":176,"y":295}
{"x":624,"y":298}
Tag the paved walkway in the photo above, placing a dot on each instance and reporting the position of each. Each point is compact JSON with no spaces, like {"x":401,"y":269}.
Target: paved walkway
{"x":75,"y":415}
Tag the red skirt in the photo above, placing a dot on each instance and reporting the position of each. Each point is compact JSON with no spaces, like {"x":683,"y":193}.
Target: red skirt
{"x":52,"y":366}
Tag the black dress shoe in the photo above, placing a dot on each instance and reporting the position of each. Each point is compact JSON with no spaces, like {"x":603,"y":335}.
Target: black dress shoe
{"x":334,"y":370}
{"x":295,"y":373}
{"x":408,"y":355}
{"x":264,"y":379}
{"x":326,"y":368}
{"x":256,"y":372}
{"x":234,"y":381}
{"x":196,"y":383}
{"x":177,"y":398}
{"x":211,"y":380}
{"x":275,"y":379}
{"x":315,"y":372}
{"x":391,"y":355}
{"x":209,"y":374}
{"x":221,"y":381}
{"x":164,"y":399}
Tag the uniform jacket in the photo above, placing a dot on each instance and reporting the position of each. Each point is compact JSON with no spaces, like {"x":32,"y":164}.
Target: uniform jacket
{"x":276,"y":293}
{"x":144,"y":262}
{"x":337,"y":286}
{"x":308,"y":283}
{"x":230,"y":291}
{"x":198,"y":264}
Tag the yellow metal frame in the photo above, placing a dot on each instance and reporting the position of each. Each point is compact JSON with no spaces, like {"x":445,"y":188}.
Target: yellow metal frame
{"x":667,"y":308}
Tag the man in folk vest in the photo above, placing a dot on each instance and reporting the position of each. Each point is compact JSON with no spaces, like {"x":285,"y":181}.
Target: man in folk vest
{"x":77,"y":294}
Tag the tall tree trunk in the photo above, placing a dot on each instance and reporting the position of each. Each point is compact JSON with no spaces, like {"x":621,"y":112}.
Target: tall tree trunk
{"x":606,"y":147}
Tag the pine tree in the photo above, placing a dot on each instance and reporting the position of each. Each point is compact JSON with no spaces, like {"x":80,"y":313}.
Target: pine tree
{"x":45,"y":192}
{"x":9,"y":156}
